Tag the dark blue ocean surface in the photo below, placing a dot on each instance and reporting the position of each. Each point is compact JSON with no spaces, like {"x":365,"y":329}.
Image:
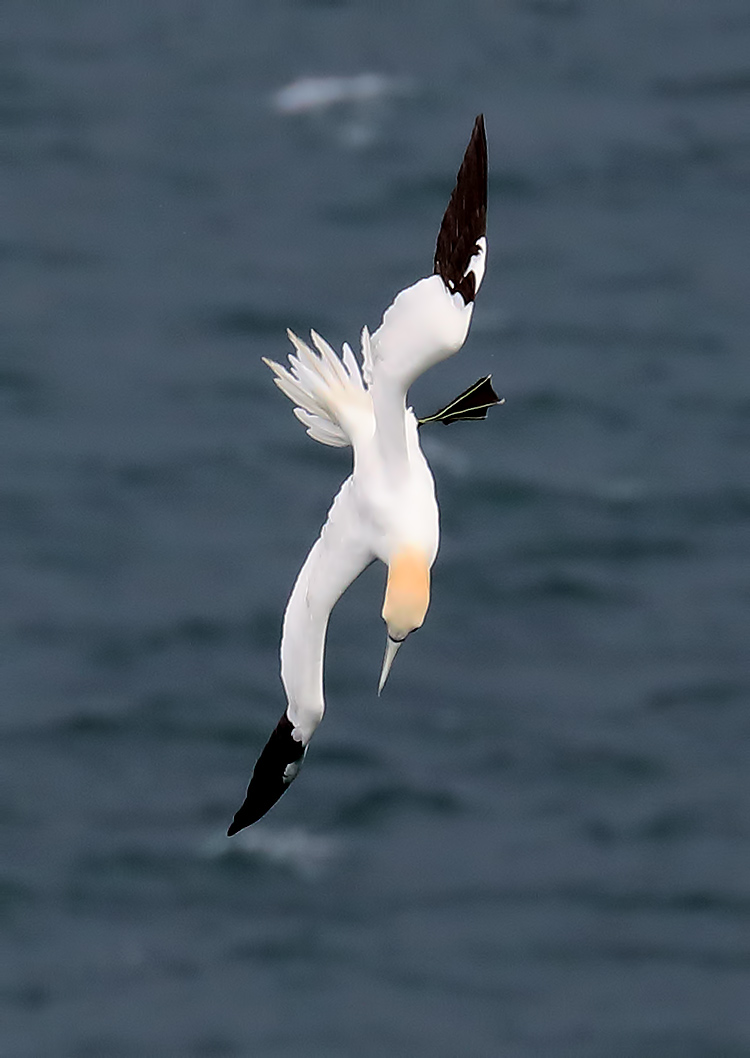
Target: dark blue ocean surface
{"x":536,"y":844}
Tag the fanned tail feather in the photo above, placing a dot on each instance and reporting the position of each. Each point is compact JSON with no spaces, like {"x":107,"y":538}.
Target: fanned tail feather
{"x":366,"y":357}
{"x":328,"y":390}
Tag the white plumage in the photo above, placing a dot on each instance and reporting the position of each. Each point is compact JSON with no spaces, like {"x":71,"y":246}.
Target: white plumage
{"x":386,"y":509}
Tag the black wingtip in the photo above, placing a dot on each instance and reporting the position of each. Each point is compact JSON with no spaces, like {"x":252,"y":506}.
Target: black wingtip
{"x":274,"y":771}
{"x":465,"y":219}
{"x":472,"y":404}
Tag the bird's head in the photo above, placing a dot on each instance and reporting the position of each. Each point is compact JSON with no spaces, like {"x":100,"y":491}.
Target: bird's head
{"x":407,"y":597}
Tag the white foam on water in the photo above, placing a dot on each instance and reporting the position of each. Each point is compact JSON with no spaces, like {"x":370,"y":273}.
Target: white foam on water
{"x":350,"y":109}
{"x":295,"y":848}
{"x":307,"y":94}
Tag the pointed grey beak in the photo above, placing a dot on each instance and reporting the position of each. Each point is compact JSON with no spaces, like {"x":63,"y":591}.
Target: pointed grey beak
{"x":391,"y":649}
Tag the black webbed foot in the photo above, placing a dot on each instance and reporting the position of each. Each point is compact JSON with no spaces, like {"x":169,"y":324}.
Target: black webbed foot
{"x":472,"y":404}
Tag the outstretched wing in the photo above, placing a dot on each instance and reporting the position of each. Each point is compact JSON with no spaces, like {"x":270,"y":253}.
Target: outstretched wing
{"x":337,"y":557}
{"x":429,"y":321}
{"x":338,"y":401}
{"x":465,"y":222}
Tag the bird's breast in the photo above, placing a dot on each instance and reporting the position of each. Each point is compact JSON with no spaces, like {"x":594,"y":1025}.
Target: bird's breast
{"x":399,"y":512}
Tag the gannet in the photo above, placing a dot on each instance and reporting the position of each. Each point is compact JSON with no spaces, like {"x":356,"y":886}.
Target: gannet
{"x":386,"y":509}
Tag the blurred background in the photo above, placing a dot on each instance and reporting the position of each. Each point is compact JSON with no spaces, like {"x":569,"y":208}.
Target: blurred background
{"x":536,"y":844}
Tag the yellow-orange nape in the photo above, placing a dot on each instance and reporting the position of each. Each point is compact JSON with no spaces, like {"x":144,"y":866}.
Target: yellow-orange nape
{"x":407,"y":592}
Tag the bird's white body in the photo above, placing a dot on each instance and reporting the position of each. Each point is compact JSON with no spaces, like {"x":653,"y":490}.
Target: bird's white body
{"x":385,"y":506}
{"x":388,"y":503}
{"x":386,"y":509}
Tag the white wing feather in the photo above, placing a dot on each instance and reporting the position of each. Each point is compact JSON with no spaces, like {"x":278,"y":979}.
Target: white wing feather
{"x":341,"y":404}
{"x":340,"y":553}
{"x":424,"y":324}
